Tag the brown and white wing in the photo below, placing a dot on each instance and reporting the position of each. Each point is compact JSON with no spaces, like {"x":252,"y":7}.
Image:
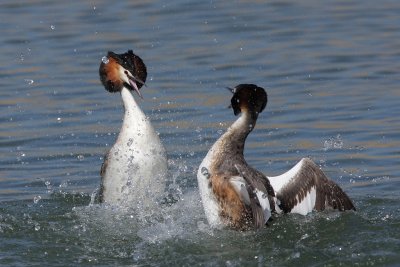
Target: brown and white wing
{"x":259,"y":191}
{"x":305,"y":188}
{"x":241,"y":205}
{"x":256,"y":199}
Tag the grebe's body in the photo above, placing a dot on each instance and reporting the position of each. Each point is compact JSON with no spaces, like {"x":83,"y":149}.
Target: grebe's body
{"x":135,"y":168}
{"x":236,"y":195}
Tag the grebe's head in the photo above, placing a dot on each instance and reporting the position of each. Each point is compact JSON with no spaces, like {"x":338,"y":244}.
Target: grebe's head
{"x":122,"y":70}
{"x":248,"y":98}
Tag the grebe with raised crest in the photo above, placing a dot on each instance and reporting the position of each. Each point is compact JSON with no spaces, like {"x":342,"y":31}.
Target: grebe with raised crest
{"x":135,"y":168}
{"x":238,"y":196}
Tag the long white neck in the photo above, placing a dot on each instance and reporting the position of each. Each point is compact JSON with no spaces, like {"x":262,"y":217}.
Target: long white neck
{"x":134,"y":119}
{"x":235,"y":137}
{"x":226,"y":152}
{"x":128,"y":99}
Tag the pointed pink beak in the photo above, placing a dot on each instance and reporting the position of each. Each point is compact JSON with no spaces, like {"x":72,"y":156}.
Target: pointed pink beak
{"x":134,"y":86}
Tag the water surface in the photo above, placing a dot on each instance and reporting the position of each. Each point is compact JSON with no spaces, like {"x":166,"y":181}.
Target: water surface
{"x":332,"y":75}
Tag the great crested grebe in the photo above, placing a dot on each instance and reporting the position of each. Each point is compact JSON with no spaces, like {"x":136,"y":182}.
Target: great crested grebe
{"x":236,"y":195}
{"x":135,"y":168}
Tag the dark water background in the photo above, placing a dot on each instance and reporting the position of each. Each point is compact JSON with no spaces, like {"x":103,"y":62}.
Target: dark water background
{"x":331,"y":70}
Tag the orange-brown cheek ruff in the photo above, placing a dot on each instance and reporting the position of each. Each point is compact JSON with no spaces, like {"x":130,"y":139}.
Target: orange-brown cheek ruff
{"x":233,"y":211}
{"x":109,"y":75}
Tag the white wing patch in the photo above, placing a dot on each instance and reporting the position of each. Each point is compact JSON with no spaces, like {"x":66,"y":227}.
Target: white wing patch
{"x":239,"y":184}
{"x":307,"y":204}
{"x":278,"y":182}
{"x":264,"y":202}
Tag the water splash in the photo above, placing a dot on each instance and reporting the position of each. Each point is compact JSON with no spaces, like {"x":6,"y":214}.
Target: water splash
{"x":183,"y":219}
{"x":105,"y":60}
{"x":29,"y":81}
{"x":333,"y":143}
{"x":36,"y":199}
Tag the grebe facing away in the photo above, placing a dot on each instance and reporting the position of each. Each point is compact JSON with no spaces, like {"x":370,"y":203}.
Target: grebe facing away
{"x":134,"y":170}
{"x":236,"y":195}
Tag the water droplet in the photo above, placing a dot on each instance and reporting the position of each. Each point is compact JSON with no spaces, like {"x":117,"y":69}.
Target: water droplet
{"x":296,"y":255}
{"x":130,"y":142}
{"x":304,"y":236}
{"x":63,"y":185}
{"x":36,"y":199}
{"x":105,"y":60}
{"x":29,"y":81}
{"x":205,"y":172}
{"x":48,"y":185}
{"x":333,"y":143}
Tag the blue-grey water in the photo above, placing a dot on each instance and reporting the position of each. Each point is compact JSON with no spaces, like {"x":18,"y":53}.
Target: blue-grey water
{"x":331,"y":70}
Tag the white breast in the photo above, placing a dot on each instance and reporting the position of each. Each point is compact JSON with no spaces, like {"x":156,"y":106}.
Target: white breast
{"x":210,"y":204}
{"x":137,"y":164}
{"x":134,"y":173}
